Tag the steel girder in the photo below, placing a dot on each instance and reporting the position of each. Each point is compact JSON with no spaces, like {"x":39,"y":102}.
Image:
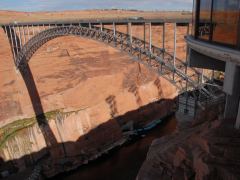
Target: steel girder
{"x":155,"y":58}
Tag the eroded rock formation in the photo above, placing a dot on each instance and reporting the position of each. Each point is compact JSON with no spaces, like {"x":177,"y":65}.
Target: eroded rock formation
{"x":88,"y":91}
{"x":205,"y":149}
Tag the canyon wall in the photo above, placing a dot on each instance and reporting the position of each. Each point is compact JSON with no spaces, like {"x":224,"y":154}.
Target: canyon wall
{"x":89,"y":92}
{"x":206,"y":147}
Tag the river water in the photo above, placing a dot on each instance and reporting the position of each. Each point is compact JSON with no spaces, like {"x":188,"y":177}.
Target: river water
{"x":122,"y":163}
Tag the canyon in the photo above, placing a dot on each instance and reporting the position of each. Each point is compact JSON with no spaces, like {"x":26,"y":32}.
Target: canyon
{"x":92,"y":95}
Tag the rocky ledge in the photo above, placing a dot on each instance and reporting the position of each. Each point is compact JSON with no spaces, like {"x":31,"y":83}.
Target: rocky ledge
{"x":204,"y":150}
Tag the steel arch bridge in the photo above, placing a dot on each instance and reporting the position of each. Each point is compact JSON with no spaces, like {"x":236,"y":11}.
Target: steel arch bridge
{"x":26,"y":38}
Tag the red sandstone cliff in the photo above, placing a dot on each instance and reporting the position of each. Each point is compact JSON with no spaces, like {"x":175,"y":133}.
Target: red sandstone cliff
{"x":207,"y":149}
{"x":84,"y":87}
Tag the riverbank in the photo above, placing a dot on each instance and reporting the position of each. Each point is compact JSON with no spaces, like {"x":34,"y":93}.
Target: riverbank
{"x":124,"y":162}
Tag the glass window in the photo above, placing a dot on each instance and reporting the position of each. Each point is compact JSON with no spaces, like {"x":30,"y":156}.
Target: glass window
{"x":204,"y":19}
{"x":225,"y":19}
{"x":194,"y":17}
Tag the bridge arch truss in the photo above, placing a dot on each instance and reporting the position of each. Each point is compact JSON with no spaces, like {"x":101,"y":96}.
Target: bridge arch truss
{"x":25,"y":39}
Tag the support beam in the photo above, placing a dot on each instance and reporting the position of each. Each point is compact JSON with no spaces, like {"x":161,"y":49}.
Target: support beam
{"x":5,"y":28}
{"x":144,"y":34}
{"x":101,"y":27}
{"x":188,"y":28}
{"x":90,"y":26}
{"x":232,"y":78}
{"x":130,"y":35}
{"x":24,"y":35}
{"x":232,"y":87}
{"x":39,"y":29}
{"x":175,"y":45}
{"x":163,"y":37}
{"x":213,"y":74}
{"x":150,"y":37}
{"x":237,"y":125}
{"x":28,"y":33}
{"x":114,"y":29}
{"x":114,"y":33}
{"x":15,"y":39}
{"x":33,"y":30}
{"x":11,"y":37}
{"x":20,"y":36}
{"x":130,"y":31}
{"x":231,"y":107}
{"x":186,"y":69}
{"x":202,"y":75}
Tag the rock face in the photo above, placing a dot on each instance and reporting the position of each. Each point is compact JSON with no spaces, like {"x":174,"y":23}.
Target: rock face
{"x":88,"y":91}
{"x":205,"y":150}
{"x":11,"y":16}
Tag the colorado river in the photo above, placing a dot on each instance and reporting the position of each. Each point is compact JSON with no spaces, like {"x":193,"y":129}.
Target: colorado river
{"x":123,"y":163}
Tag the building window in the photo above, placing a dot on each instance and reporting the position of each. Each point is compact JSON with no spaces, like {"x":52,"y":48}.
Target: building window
{"x":204,"y":25}
{"x":217,"y":21}
{"x":194,"y":17}
{"x":225,"y":20}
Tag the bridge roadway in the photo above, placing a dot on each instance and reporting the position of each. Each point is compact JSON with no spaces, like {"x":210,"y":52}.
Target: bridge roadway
{"x":26,"y":38}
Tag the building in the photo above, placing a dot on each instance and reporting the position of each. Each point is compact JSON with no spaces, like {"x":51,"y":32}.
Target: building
{"x":214,"y":44}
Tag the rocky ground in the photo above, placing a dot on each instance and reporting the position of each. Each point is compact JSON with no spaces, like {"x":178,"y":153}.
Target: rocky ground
{"x":204,"y":149}
{"x":11,"y":16}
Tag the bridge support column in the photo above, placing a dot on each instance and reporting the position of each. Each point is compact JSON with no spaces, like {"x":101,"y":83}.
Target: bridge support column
{"x":20,"y":36}
{"x":130,"y":35}
{"x":6,"y":30}
{"x":114,"y":34}
{"x":38,"y":28}
{"x":28,"y":33}
{"x":11,"y":37}
{"x":174,"y":49}
{"x":150,"y":37}
{"x":175,"y":45}
{"x":237,"y":126}
{"x":144,"y":34}
{"x":163,"y":40}
{"x":15,"y":39}
{"x":33,"y":31}
{"x":24,"y":35}
{"x":163,"y":37}
{"x":101,"y":27}
{"x":232,"y":88}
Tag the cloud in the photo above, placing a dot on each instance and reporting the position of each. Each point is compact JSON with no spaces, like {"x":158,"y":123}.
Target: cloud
{"x":55,"y":5}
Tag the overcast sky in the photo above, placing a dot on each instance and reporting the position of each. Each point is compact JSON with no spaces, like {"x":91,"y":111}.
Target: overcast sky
{"x":58,"y":5}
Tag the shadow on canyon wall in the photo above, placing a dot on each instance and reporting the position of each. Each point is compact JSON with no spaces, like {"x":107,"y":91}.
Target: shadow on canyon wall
{"x":37,"y":106}
{"x":60,"y":157}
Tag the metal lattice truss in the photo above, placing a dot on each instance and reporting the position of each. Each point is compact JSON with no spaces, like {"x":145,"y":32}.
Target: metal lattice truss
{"x":167,"y":65}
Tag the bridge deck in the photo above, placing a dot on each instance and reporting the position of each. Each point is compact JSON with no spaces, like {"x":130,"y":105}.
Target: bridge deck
{"x":104,"y":21}
{"x":26,"y":38}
